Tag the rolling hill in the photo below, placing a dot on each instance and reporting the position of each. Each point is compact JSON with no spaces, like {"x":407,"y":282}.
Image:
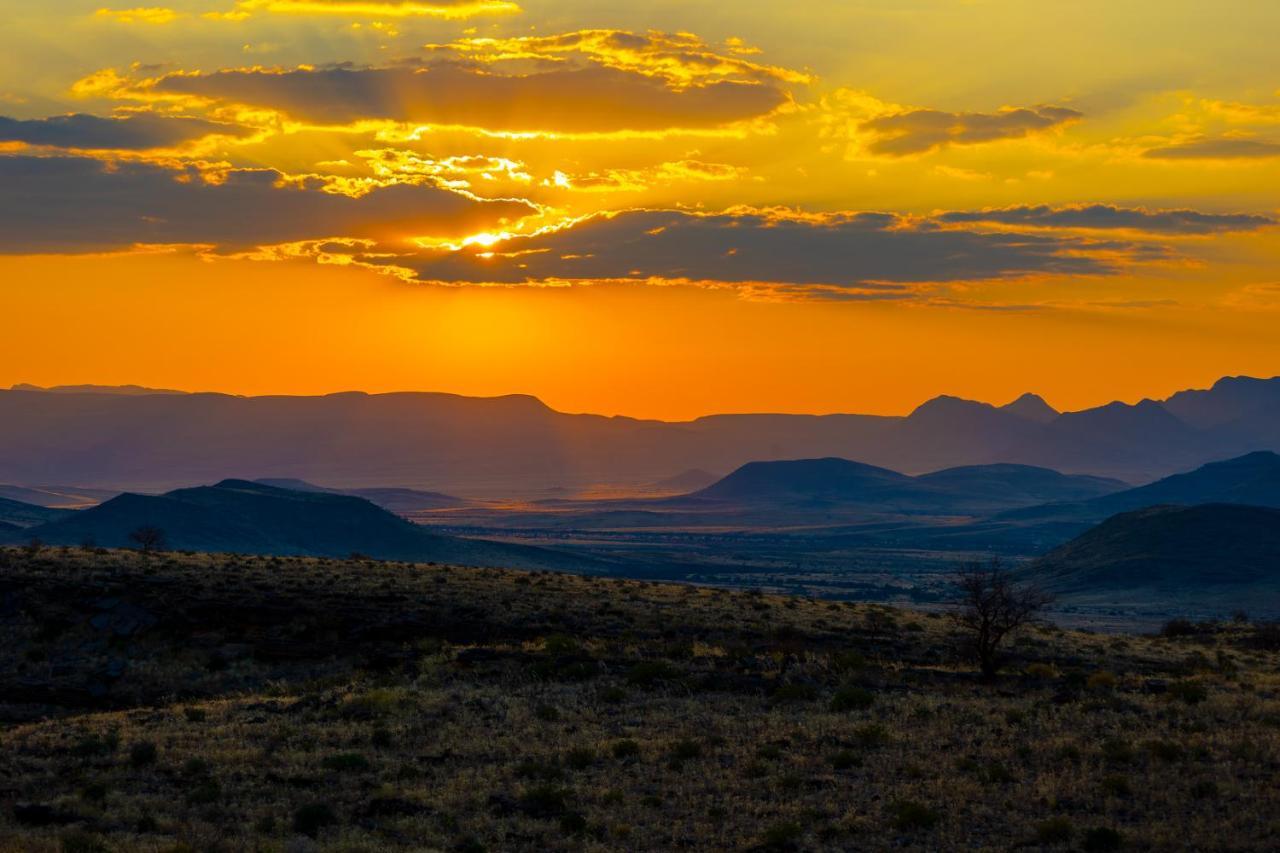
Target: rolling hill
{"x":1223,"y":556}
{"x":23,"y":515}
{"x":238,"y":516}
{"x":840,"y":482}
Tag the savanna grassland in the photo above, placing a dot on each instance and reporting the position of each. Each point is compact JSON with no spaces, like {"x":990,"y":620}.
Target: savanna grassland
{"x":213,"y":702}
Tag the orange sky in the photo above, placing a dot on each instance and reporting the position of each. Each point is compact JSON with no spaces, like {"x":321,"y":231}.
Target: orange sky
{"x":663,"y":211}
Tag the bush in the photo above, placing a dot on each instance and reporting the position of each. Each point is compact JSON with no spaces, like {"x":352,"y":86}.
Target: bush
{"x":1191,"y":692}
{"x":580,"y":758}
{"x":142,"y":754}
{"x":850,"y":697}
{"x":1055,"y":830}
{"x":908,"y":815}
{"x":651,"y":673}
{"x":1102,"y":839}
{"x":624,"y":749}
{"x":846,"y":759}
{"x":313,"y":817}
{"x":1102,"y":680}
{"x":544,"y":801}
{"x":781,"y":836}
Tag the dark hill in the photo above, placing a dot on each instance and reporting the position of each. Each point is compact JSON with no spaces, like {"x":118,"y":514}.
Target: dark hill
{"x":1019,"y":483}
{"x":1215,"y":554}
{"x":243,"y":517}
{"x":395,"y":500}
{"x":1252,"y":479}
{"x":828,"y":480}
{"x":19,"y":514}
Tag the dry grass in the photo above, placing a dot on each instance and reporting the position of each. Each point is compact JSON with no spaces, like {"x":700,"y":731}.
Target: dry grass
{"x":298,"y":704}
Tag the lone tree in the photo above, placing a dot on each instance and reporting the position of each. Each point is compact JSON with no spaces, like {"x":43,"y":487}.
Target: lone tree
{"x":991,"y":606}
{"x":149,"y":539}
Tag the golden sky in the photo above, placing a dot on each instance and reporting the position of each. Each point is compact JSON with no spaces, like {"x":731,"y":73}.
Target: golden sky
{"x":660,"y":209}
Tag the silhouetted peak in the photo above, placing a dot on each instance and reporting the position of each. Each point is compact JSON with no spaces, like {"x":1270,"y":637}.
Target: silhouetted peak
{"x":946,"y":404}
{"x":1031,"y":407}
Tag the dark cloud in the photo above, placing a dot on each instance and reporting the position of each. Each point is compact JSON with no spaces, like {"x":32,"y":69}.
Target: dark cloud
{"x":594,"y":99}
{"x":861,"y":251}
{"x":1107,"y":216}
{"x":138,"y":132}
{"x":69,"y":204}
{"x":1216,"y":149}
{"x":918,"y":131}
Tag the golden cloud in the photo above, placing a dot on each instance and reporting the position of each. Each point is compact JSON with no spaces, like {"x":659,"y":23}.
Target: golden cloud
{"x":140,"y":15}
{"x":595,"y":99}
{"x":445,"y":9}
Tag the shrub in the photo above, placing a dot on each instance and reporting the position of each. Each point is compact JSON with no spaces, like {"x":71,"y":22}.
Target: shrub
{"x":1165,"y":750}
{"x":580,"y":758}
{"x":651,"y":673}
{"x":1178,"y":628}
{"x":547,"y":713}
{"x":194,"y":715}
{"x":313,"y":817}
{"x":1191,"y":692}
{"x":781,"y":836}
{"x":1205,"y":789}
{"x":1102,"y":680}
{"x":625,"y":749}
{"x":908,"y":815}
{"x":846,"y":759}
{"x":850,"y":697}
{"x":1102,"y":839}
{"x":544,"y":801}
{"x":1041,"y":671}
{"x":789,"y":693}
{"x":1055,"y":830}
{"x":871,"y":736}
{"x":142,"y":754}
{"x":1116,"y":785}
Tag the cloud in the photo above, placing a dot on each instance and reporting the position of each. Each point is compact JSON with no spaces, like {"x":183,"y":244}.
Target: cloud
{"x":79,"y":204}
{"x":862,"y":252}
{"x":139,"y":132}
{"x":679,"y":58}
{"x":1216,"y":149}
{"x":917,"y":131}
{"x":141,"y":15}
{"x":1105,"y":216}
{"x":582,"y":100}
{"x":446,"y":9}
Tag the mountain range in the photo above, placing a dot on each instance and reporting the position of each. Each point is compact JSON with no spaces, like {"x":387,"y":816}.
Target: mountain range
{"x":516,"y":446}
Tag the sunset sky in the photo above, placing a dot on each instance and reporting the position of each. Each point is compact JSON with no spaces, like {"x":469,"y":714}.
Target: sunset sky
{"x":660,"y":209}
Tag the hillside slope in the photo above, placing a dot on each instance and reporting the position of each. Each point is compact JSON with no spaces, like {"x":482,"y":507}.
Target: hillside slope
{"x":241,"y":517}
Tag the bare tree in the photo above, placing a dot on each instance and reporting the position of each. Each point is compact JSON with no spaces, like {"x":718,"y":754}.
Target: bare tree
{"x":149,"y":539}
{"x":992,"y":606}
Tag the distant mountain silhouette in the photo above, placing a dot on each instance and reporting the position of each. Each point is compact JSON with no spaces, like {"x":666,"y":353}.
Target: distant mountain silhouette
{"x":833,"y":481}
{"x":244,"y":517}
{"x":23,"y":515}
{"x":1031,"y":407}
{"x":123,"y":390}
{"x":1020,"y":483}
{"x":1222,"y":555}
{"x":517,"y":446}
{"x":391,"y":499}
{"x":1250,"y":479}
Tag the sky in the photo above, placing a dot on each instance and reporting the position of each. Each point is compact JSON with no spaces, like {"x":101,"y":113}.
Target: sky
{"x":661,"y":209}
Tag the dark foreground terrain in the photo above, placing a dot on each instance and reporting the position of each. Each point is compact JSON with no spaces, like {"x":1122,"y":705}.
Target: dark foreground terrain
{"x":178,"y":703}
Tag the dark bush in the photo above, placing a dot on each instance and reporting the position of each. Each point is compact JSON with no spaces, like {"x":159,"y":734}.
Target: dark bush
{"x":313,"y":817}
{"x":1102,"y":839}
{"x":908,"y":815}
{"x":850,"y":697}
